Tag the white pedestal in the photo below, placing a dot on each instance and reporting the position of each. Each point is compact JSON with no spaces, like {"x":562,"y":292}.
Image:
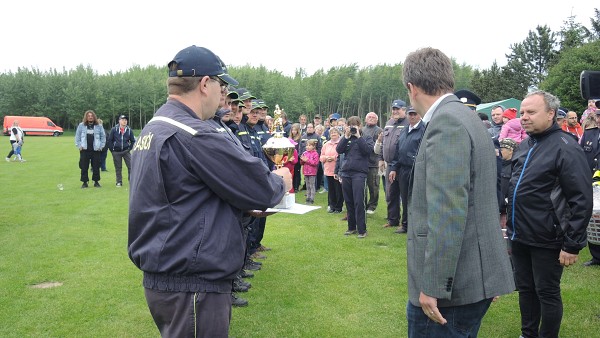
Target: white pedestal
{"x":287,"y":201}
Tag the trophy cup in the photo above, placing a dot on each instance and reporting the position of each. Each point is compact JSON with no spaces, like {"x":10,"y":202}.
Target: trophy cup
{"x":279,"y":149}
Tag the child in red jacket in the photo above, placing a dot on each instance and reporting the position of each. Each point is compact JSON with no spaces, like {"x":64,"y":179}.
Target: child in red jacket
{"x":290,"y":162}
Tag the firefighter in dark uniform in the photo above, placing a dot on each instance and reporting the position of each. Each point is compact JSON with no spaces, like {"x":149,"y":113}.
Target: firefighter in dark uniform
{"x":590,"y":142}
{"x":261,"y":128}
{"x":190,"y":185}
{"x":468,"y":98}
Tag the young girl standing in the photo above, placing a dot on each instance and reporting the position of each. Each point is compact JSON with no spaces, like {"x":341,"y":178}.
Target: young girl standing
{"x":310,"y":163}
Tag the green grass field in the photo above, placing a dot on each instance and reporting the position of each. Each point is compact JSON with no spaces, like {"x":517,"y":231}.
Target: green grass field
{"x":314,"y":283}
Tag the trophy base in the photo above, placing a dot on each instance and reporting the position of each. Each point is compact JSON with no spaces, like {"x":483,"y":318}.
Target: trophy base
{"x":287,"y":201}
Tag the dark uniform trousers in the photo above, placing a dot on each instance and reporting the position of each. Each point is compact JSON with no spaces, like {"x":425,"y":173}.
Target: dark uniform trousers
{"x":403,"y":177}
{"x":392,"y":198}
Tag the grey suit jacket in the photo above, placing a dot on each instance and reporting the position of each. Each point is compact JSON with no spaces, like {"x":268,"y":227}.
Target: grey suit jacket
{"x":456,"y":252}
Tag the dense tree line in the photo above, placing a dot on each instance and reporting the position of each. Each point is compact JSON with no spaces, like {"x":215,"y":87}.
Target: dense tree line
{"x":547,"y":60}
{"x":552,"y":61}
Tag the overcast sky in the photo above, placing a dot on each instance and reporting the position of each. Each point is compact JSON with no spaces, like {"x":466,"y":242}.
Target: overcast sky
{"x":280,"y":35}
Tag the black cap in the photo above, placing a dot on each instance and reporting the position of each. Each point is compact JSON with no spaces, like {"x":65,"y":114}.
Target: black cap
{"x":199,"y":61}
{"x":468,"y":98}
{"x":123,"y":117}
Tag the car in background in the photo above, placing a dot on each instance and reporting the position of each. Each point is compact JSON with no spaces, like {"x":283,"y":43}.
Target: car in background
{"x":33,"y":125}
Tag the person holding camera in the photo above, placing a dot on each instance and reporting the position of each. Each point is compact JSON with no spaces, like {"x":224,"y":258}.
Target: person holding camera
{"x":354,"y":171}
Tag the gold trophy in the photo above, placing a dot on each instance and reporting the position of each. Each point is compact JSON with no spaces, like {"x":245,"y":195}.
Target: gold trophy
{"x":279,"y":149}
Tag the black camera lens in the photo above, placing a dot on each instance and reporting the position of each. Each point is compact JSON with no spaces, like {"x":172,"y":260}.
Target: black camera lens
{"x":353,"y":130}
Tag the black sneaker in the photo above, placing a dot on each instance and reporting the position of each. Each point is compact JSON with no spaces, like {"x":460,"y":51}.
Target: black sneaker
{"x":350,"y":232}
{"x":246,"y":274}
{"x":239,"y":287}
{"x":241,"y":281}
{"x":249,"y":260}
{"x":97,"y":185}
{"x":237,"y":301}
{"x":251,"y":267}
{"x":84,"y":185}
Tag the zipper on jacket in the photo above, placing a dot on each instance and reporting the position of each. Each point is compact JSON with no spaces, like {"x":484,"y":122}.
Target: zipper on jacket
{"x":517,"y":188}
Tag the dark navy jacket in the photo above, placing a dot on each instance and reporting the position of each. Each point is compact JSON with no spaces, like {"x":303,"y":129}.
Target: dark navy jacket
{"x":263,"y":131}
{"x":190,"y":182}
{"x":590,"y":143}
{"x":356,"y":152}
{"x":120,"y":142}
{"x":407,"y":147}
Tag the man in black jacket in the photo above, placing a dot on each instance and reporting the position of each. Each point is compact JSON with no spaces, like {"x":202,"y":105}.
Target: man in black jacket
{"x":401,"y":166}
{"x":120,"y":142}
{"x":549,"y":207}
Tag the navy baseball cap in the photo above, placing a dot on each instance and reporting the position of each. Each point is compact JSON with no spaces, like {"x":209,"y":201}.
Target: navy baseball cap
{"x":398,"y":104}
{"x":199,"y":61}
{"x":122,"y":117}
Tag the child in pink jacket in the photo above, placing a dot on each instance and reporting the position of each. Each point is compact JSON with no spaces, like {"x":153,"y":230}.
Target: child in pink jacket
{"x":512,"y":127}
{"x":310,"y":163}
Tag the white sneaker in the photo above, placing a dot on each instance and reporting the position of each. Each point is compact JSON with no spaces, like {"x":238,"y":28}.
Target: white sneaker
{"x":7,"y":159}
{"x":119,"y":184}
{"x":370,"y":212}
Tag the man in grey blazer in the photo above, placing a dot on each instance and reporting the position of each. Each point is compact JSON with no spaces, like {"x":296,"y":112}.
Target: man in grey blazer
{"x":457,"y":258}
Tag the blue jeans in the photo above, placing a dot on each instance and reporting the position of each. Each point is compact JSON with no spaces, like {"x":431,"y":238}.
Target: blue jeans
{"x":463,"y":321}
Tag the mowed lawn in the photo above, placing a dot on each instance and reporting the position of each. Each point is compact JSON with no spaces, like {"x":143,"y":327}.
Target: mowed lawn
{"x":314,"y":283}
